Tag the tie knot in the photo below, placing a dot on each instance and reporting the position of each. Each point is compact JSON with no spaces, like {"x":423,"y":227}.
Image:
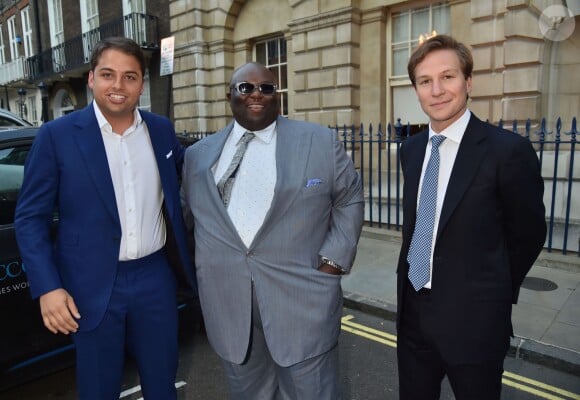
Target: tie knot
{"x":247,"y":137}
{"x":436,"y":140}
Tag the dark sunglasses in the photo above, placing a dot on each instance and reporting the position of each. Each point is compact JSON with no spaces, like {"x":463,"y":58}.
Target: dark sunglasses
{"x":266,"y":89}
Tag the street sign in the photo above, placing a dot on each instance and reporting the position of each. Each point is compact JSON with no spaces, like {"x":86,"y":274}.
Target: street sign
{"x":167,"y":48}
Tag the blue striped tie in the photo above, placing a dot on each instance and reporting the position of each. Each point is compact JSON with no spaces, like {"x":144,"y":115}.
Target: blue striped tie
{"x":420,"y":250}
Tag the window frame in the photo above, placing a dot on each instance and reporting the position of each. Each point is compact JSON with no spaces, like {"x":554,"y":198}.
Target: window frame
{"x":278,"y":68}
{"x":2,"y":47}
{"x":12,"y":34}
{"x":26,"y":31}
{"x":410,"y":43}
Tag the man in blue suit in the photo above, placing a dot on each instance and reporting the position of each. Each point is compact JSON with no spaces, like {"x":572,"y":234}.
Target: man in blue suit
{"x":111,"y":173}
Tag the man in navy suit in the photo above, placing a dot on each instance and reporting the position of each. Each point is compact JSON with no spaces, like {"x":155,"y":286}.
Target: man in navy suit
{"x":485,"y":230}
{"x":111,"y":173}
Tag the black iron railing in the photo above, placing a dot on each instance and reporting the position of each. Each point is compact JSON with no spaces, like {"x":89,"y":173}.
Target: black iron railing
{"x":376,"y":152}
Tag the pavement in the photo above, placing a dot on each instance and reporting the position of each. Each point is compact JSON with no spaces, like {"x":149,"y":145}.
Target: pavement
{"x":546,"y":319}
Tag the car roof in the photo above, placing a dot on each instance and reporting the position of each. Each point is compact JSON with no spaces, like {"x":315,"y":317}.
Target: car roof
{"x":17,"y":134}
{"x":14,"y":118}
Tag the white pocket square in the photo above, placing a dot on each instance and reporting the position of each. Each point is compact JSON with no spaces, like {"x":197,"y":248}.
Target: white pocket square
{"x":169,"y":154}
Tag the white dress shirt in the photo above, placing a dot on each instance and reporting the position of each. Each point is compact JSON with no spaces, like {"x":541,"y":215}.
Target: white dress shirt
{"x":253,"y":188}
{"x":137,"y":187}
{"x":447,"y":154}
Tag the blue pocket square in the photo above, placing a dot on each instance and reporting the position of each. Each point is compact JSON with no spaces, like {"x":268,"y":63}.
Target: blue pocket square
{"x":314,"y":182}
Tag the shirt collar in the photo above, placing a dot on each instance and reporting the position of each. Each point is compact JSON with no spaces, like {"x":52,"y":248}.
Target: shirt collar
{"x":265,"y":135}
{"x":456,"y":130}
{"x":104,"y":125}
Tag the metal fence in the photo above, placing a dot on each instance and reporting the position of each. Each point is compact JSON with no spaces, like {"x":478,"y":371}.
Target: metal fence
{"x":376,"y":151}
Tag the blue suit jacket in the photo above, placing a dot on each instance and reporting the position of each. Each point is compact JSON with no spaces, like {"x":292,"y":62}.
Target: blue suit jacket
{"x":67,"y":171}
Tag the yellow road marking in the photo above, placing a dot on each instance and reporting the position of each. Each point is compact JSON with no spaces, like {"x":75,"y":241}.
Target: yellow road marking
{"x":346,"y":320}
{"x":530,"y":390}
{"x":525,"y":384}
{"x":369,"y":336}
{"x":541,"y":385}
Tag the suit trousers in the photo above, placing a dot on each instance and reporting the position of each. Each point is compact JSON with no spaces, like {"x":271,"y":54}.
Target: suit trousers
{"x":421,"y":366}
{"x":259,"y":377}
{"x":141,"y":319}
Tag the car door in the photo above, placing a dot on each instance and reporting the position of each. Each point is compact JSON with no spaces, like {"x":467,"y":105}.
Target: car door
{"x":23,"y":336}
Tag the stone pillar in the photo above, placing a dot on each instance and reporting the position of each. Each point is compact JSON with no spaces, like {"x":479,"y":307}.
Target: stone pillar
{"x":326,"y":55}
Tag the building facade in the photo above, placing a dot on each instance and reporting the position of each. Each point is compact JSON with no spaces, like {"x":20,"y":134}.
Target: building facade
{"x":45,"y":46}
{"x":344,"y":61}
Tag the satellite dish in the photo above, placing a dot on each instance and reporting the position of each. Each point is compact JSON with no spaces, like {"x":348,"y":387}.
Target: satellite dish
{"x":557,"y":23}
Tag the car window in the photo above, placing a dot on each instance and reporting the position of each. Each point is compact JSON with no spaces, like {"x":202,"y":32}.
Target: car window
{"x":11,"y":173}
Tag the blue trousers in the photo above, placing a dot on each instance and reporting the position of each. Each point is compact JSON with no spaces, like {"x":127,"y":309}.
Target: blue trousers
{"x":141,"y":319}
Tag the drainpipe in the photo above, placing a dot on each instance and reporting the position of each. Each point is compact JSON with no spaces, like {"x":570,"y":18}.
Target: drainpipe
{"x":37,"y":23}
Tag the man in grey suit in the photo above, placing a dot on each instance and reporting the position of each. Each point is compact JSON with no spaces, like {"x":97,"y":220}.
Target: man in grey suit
{"x":270,"y":248}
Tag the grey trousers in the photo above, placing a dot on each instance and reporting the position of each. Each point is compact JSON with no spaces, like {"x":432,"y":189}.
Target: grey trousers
{"x":259,"y":377}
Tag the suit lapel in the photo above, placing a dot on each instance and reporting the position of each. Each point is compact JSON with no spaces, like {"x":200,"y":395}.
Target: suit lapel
{"x":208,"y":157}
{"x":161,"y":149}
{"x":292,"y":152}
{"x":471,"y":153}
{"x":90,"y":142}
{"x":414,"y":156}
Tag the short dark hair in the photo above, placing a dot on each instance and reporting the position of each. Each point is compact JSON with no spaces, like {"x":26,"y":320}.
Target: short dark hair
{"x":441,"y":42}
{"x":124,"y":45}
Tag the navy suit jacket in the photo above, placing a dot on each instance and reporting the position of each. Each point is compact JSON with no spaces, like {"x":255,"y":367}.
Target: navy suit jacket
{"x":491,"y":229}
{"x":67,"y":171}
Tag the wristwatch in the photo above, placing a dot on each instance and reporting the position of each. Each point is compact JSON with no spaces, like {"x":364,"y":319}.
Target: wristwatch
{"x":324,"y":260}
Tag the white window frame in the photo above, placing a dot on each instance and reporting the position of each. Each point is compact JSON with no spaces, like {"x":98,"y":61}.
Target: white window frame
{"x":403,"y":103}
{"x":26,"y":31}
{"x":89,"y":15}
{"x":145,"y":99}
{"x":12,"y":34}
{"x":89,"y":22}
{"x":134,"y":6}
{"x":410,"y":42}
{"x":279,"y":68}
{"x":2,"y":51}
{"x":32,"y":110}
{"x":56,"y":26}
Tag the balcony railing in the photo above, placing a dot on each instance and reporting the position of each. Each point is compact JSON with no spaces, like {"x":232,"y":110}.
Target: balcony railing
{"x":75,"y":53}
{"x":12,"y":71}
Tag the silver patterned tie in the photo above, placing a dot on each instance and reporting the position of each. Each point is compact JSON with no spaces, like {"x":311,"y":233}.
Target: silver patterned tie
{"x":227,"y":180}
{"x":420,"y":250}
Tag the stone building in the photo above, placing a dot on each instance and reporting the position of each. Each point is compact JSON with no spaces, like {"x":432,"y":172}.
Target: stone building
{"x":344,"y":61}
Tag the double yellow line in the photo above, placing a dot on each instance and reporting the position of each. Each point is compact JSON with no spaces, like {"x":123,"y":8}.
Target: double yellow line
{"x":537,"y":388}
{"x":510,"y":379}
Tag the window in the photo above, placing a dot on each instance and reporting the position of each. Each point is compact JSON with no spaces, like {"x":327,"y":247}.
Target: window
{"x":407,"y":28}
{"x":136,"y":21}
{"x":409,"y":25}
{"x":26,"y":31}
{"x":32,"y":111}
{"x":90,"y":23}
{"x":2,"y":54}
{"x":11,"y":174}
{"x":14,"y":38}
{"x":273,"y":54}
{"x":56,"y":34}
{"x":145,"y":99}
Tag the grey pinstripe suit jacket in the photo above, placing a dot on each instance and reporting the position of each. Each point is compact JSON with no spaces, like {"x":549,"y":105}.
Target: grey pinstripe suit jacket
{"x":300,"y":306}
